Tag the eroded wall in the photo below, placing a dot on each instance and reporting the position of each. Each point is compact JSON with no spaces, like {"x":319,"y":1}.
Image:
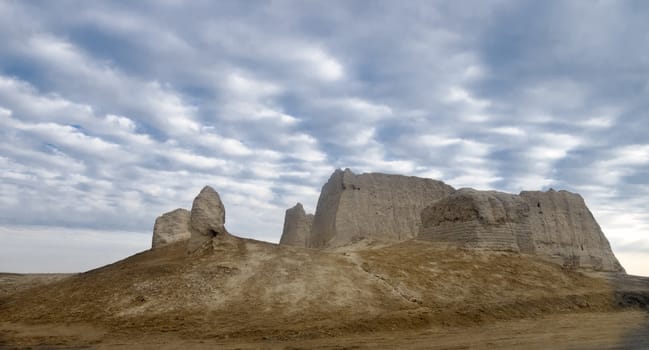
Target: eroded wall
{"x":556,"y":226}
{"x":372,"y":205}
{"x":297,"y":227}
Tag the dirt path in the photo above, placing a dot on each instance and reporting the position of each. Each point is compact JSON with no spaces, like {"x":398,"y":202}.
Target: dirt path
{"x":615,"y":330}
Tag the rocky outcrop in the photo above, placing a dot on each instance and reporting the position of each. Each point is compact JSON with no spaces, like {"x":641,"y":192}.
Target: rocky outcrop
{"x":556,"y":226}
{"x":171,"y":227}
{"x":205,"y":221}
{"x":297,"y":227}
{"x":207,"y":218}
{"x":376,"y":206}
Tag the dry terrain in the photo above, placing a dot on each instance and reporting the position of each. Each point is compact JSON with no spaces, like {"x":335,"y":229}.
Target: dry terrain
{"x":14,"y":282}
{"x":247,"y":294}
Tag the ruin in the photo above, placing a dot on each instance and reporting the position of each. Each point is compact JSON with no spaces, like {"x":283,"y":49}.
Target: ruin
{"x":372,"y":205}
{"x":205,"y":221}
{"x":565,"y":231}
{"x":479,"y":219}
{"x":556,"y":226}
{"x":171,"y":227}
{"x":297,"y":227}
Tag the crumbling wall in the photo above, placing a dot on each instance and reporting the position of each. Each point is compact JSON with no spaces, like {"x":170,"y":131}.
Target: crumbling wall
{"x":207,"y":219}
{"x":297,"y":227}
{"x":372,"y":205}
{"x":479,"y":219}
{"x":565,"y":231}
{"x":170,"y":227}
{"x":556,"y":226}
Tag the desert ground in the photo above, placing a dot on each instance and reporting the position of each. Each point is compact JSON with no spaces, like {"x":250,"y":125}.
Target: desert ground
{"x":613,"y":330}
{"x":246,"y":294}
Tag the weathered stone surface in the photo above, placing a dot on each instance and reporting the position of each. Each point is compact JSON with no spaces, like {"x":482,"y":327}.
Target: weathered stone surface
{"x":479,"y":219}
{"x":565,"y":231}
{"x":556,"y":226}
{"x":297,"y":227}
{"x":374,"y":205}
{"x":207,"y":218}
{"x":171,"y":227}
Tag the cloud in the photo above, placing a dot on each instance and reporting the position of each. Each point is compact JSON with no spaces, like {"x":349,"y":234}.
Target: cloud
{"x":321,"y":64}
{"x":123,"y":111}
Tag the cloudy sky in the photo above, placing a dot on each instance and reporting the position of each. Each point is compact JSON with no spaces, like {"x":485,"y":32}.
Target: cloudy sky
{"x":114,"y":112}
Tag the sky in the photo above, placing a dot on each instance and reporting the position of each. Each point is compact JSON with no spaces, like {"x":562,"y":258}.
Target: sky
{"x":112,"y":113}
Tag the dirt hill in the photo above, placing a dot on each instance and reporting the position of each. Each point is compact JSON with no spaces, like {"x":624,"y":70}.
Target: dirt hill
{"x":246,"y":289}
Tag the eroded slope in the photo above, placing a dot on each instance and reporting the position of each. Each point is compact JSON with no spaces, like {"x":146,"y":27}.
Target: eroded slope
{"x":246,"y":288}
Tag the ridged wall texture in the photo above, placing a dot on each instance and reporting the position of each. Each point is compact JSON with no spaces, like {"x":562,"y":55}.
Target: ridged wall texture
{"x":556,"y":226}
{"x":479,"y":219}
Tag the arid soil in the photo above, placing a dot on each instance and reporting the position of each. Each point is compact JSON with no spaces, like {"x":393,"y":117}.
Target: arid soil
{"x":14,"y":282}
{"x":248,"y":294}
{"x":613,"y":330}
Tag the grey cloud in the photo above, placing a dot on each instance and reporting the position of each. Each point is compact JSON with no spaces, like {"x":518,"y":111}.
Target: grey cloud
{"x":128,"y":109}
